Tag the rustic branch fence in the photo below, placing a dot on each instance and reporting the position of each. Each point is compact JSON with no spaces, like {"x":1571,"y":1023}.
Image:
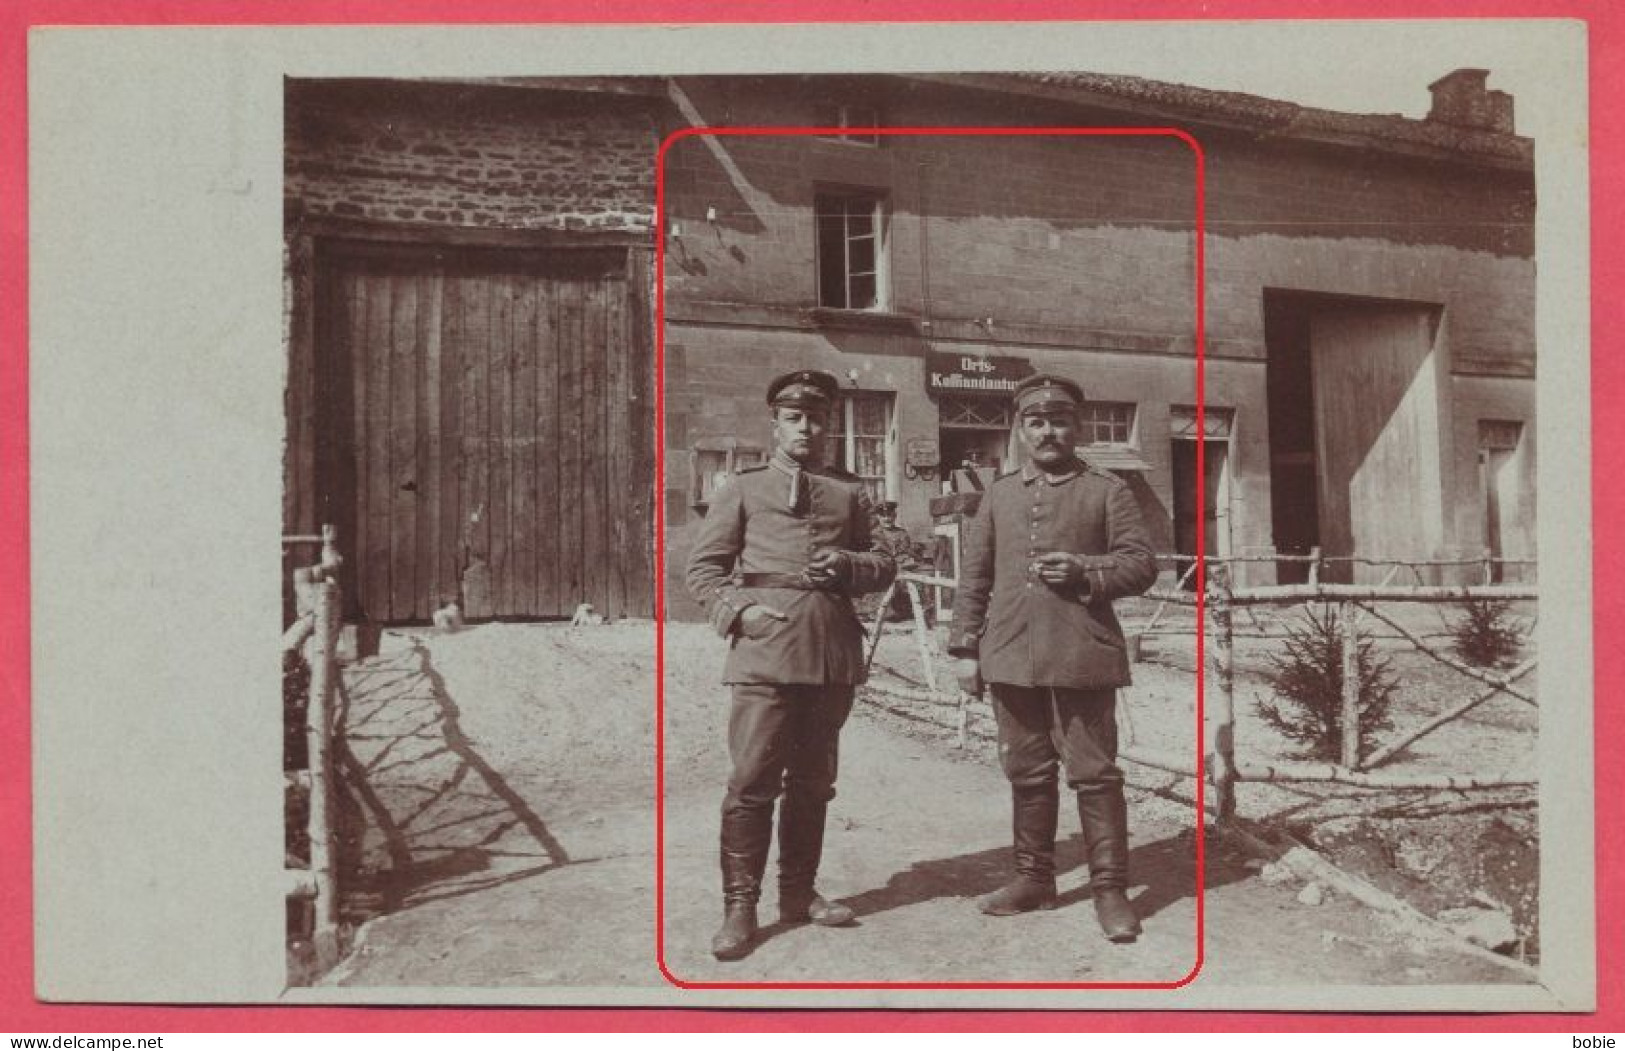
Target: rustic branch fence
{"x":1224,"y":769}
{"x":315,"y":633}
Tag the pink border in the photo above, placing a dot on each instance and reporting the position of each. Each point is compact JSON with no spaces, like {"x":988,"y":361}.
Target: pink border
{"x":22,"y":1013}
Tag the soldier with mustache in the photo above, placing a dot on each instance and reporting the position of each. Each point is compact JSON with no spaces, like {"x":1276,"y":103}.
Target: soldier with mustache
{"x":1051,"y":546}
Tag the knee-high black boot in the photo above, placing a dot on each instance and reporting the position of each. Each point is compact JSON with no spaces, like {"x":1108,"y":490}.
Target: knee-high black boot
{"x":801,"y":848}
{"x":1103,"y":813}
{"x":1033,"y":813}
{"x":746,"y":837}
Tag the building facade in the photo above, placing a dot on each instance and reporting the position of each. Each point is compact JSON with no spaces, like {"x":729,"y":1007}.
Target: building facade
{"x":471,"y":326}
{"x":1369,"y":303}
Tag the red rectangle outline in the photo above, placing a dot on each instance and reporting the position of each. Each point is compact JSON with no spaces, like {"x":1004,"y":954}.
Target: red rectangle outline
{"x":660,"y":548}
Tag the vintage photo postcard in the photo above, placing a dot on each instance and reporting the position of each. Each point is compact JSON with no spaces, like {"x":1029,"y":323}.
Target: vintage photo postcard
{"x":1061,"y":516}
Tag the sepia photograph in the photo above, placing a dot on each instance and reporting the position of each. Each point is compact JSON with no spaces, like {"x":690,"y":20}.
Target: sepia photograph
{"x":1050,"y":534}
{"x":470,"y":407}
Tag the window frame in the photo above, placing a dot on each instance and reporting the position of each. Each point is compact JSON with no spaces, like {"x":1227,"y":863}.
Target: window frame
{"x":1087,"y":425}
{"x":735,"y":455}
{"x":843,"y":428}
{"x":878,"y":214}
{"x":842,"y":114}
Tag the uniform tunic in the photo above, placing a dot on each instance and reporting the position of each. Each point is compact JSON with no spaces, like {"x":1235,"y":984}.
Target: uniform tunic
{"x":793,"y":685}
{"x":752,"y":548}
{"x":1052,"y":656}
{"x":1025,"y":632}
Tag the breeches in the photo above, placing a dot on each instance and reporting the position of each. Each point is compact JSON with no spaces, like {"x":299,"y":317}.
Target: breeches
{"x":784,"y":739}
{"x":1042,"y":727}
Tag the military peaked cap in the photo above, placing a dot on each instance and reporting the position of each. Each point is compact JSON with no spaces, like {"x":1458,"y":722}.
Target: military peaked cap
{"x":1047,"y":391}
{"x":804,"y":389}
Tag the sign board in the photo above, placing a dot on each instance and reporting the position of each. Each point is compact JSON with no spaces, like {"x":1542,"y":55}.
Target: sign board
{"x":922,"y":452}
{"x":974,"y":373}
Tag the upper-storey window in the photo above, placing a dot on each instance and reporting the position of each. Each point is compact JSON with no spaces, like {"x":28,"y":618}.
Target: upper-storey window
{"x":851,"y":250}
{"x":859,"y":118}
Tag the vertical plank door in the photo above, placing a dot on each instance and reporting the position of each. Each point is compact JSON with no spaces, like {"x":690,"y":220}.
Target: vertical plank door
{"x":487,"y":428}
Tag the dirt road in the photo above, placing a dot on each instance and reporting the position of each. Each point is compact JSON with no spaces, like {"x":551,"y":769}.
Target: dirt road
{"x":507,"y":778}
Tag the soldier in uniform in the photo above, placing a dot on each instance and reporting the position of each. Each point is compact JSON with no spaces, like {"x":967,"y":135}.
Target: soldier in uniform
{"x":778,"y":557}
{"x":894,"y":540}
{"x":1050,"y":548}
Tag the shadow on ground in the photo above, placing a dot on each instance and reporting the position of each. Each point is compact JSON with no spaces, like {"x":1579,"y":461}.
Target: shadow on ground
{"x":423,"y":816}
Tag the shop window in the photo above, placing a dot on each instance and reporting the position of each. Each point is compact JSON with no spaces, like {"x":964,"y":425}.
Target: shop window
{"x":1107,"y":423}
{"x":981,"y":414}
{"x":713,"y":462}
{"x":851,"y":251}
{"x":861,"y":440}
{"x":860,"y":118}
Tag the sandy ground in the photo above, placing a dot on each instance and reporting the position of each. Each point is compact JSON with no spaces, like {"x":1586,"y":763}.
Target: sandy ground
{"x":504,"y":782}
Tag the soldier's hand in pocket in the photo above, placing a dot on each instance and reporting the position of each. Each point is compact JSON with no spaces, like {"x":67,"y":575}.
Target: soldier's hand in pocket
{"x":967,"y":671}
{"x":758,"y":621}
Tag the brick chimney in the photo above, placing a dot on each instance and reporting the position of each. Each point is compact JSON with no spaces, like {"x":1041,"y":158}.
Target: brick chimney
{"x":1460,"y":98}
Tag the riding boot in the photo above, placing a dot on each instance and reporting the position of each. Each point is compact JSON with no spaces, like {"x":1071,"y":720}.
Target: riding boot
{"x":1034,"y":809}
{"x":746,"y":836}
{"x":1104,"y":815}
{"x":801,"y":848}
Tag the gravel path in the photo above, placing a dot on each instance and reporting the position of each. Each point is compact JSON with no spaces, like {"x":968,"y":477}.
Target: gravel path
{"x":507,"y":778}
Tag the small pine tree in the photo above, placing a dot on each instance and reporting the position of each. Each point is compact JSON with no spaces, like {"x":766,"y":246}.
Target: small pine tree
{"x":1308,"y":683}
{"x":1485,"y":635}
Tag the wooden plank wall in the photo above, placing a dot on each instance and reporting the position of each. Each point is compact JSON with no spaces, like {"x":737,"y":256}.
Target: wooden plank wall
{"x":482,"y":428}
{"x":1377,"y":426}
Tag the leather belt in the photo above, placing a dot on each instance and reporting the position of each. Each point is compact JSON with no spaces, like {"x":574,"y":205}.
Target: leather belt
{"x":778,"y":580}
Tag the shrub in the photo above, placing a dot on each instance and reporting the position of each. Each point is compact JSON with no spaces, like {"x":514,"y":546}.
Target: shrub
{"x":1308,"y":683}
{"x":1485,"y":635}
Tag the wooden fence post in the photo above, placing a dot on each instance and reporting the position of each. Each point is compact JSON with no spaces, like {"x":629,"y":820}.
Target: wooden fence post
{"x":923,"y":635}
{"x":330,"y":549}
{"x":1314,"y":566}
{"x":1222,"y":753}
{"x":319,"y":736}
{"x":1351,"y":687}
{"x":880,"y":625}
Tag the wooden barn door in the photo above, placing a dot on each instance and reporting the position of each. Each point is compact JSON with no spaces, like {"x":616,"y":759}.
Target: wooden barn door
{"x":491,"y":423}
{"x":1377,"y":386}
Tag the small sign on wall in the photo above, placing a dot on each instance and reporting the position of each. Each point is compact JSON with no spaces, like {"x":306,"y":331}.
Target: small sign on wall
{"x":922,"y":452}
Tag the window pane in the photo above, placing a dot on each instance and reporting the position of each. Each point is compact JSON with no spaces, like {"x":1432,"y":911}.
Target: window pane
{"x":861,"y":255}
{"x":831,"y":260}
{"x":860,"y":218}
{"x":1499,"y":434}
{"x":711,"y":468}
{"x":870,"y":455}
{"x":1108,"y":422}
{"x":870,"y":417}
{"x":862,"y":296}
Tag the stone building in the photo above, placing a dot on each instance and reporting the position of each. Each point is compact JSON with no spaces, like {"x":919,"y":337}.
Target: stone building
{"x":1369,"y":313}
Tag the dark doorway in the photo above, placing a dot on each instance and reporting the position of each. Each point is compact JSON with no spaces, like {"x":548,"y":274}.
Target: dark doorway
{"x":1186,"y":526}
{"x":1294,"y":505}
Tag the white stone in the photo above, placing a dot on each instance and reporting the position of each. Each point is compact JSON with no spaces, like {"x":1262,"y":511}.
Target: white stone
{"x":1312,"y":894}
{"x":1275,"y":873}
{"x":1489,"y":928}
